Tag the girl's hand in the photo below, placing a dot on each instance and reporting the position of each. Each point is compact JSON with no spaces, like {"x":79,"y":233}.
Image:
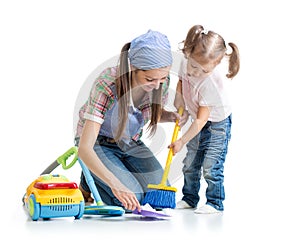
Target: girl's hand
{"x":127,"y":198}
{"x":176,"y":146}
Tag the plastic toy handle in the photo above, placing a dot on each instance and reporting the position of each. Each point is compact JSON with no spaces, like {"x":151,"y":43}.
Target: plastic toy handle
{"x":90,"y":181}
{"x":170,"y":154}
{"x":63,"y":158}
{"x":177,"y":127}
{"x":86,"y":172}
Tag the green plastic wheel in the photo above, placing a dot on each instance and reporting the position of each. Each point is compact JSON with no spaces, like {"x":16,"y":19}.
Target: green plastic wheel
{"x":34,"y":208}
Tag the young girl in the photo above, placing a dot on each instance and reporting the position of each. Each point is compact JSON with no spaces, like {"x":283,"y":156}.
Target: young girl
{"x":122,"y":101}
{"x":201,"y":88}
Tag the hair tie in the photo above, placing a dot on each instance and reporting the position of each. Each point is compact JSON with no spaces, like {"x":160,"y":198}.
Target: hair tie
{"x":204,"y":31}
{"x":228,"y":49}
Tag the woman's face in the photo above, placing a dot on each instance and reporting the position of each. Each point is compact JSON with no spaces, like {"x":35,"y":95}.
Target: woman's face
{"x":149,"y":80}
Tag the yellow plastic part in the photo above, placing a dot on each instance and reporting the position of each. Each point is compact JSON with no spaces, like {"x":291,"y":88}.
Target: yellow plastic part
{"x":163,"y":183}
{"x":162,"y":187}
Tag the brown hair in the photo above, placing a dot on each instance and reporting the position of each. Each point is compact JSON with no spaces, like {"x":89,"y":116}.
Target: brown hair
{"x":123,"y":87}
{"x":212,"y":47}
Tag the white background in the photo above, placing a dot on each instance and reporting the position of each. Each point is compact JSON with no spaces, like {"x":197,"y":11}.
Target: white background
{"x":49,"y":50}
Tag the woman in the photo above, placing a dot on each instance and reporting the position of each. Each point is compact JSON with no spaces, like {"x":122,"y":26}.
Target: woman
{"x":122,"y":101}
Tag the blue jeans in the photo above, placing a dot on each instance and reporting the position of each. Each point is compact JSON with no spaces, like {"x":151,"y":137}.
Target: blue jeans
{"x":134,"y":165}
{"x":207,"y":152}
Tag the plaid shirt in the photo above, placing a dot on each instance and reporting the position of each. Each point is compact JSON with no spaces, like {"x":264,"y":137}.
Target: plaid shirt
{"x":103,"y":96}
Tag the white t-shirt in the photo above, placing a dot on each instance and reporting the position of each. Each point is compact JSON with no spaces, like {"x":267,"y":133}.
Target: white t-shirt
{"x":212,"y":92}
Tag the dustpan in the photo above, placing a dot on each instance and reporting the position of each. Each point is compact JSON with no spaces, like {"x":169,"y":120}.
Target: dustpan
{"x":148,"y":212}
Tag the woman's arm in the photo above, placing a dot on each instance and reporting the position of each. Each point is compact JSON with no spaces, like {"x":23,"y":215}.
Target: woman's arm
{"x":168,"y":116}
{"x":179,"y":101}
{"x":90,"y":158}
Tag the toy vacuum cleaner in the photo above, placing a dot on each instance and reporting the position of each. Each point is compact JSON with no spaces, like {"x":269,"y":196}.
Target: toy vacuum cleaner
{"x":52,"y":196}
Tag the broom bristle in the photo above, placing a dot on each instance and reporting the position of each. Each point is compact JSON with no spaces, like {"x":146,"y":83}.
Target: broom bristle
{"x":160,"y":199}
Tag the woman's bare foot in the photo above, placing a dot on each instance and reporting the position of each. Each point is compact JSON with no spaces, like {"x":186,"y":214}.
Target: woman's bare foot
{"x":87,"y":196}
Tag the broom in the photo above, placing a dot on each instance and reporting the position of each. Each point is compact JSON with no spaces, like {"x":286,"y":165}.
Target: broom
{"x":161,"y":195}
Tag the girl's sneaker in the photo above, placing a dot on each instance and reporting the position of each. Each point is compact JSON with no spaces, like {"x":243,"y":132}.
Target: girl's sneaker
{"x":206,"y":209}
{"x":182,"y":205}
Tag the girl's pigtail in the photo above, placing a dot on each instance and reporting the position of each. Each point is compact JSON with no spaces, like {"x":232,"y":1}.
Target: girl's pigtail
{"x":234,"y":61}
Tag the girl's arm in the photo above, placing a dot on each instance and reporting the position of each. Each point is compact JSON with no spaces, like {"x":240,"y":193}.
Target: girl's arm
{"x":194,"y":129}
{"x":89,"y":157}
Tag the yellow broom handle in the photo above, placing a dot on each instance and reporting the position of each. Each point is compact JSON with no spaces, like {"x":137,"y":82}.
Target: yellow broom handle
{"x":170,"y":154}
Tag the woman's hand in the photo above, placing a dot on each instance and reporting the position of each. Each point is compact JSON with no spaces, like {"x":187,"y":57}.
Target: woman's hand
{"x":173,"y":116}
{"x":126,"y":197}
{"x":183,"y":119}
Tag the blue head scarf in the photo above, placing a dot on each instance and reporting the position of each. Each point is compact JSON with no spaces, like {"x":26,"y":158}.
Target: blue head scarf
{"x":150,"y":51}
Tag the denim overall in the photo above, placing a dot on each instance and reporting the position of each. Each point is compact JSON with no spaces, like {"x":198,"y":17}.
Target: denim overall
{"x":132,"y":162}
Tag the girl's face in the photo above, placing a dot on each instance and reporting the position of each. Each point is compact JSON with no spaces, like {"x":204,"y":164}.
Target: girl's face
{"x":198,"y":67}
{"x":149,"y":80}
